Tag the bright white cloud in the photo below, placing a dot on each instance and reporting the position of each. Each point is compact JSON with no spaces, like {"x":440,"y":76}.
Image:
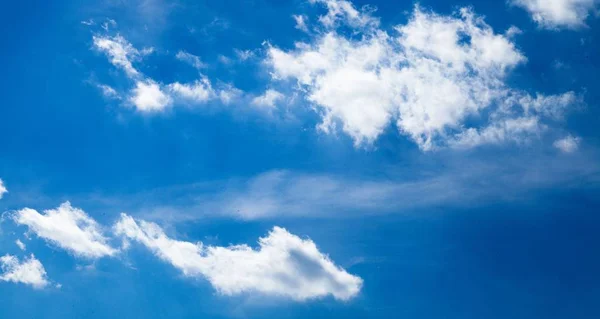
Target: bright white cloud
{"x":120,"y":52}
{"x":20,"y":244}
{"x":268,"y":99}
{"x":283,"y":265}
{"x":68,"y":228}
{"x":568,"y":144}
{"x":428,"y":77}
{"x":3,"y":189}
{"x":190,"y":59}
{"x":199,"y":91}
{"x":29,"y":272}
{"x":553,"y":14}
{"x":148,"y":96}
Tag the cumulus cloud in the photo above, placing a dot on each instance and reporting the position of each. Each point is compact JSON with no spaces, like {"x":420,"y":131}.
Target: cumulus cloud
{"x":268,"y":99}
{"x":68,"y":228}
{"x":148,"y":96}
{"x":283,"y":264}
{"x":30,"y":271}
{"x":553,"y":14}
{"x":3,"y":189}
{"x":568,"y":144}
{"x":428,"y":76}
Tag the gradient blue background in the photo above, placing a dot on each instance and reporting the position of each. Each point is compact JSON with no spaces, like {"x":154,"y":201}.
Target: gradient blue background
{"x":535,"y":255}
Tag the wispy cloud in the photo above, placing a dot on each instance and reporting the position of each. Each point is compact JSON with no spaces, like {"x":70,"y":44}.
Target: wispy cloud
{"x":462,"y":182}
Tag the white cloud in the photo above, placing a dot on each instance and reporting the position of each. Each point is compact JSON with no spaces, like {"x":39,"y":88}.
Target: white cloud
{"x":89,"y":22}
{"x":108,"y":24}
{"x":228,"y":94}
{"x":268,"y":99}
{"x":518,"y":130}
{"x":29,"y":272}
{"x":190,"y":59}
{"x":151,"y":96}
{"x":20,"y":244}
{"x":553,"y":106}
{"x":120,"y":52}
{"x":225,"y":60}
{"x":199,"y":91}
{"x":3,"y":189}
{"x":148,"y":96}
{"x":68,"y":228}
{"x":568,"y":144}
{"x":244,"y":55}
{"x":108,"y":91}
{"x":341,"y":10}
{"x":283,"y":265}
{"x":553,"y":14}
{"x":300,"y":22}
{"x":429,"y":77}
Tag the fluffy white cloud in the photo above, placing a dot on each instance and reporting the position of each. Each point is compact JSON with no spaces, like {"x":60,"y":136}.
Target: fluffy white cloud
{"x":3,"y":189}
{"x":68,"y":228}
{"x":120,"y":52}
{"x":148,"y":96}
{"x":29,"y":272}
{"x":568,"y":144}
{"x":554,"y":14}
{"x":191,"y":59}
{"x":429,"y":76}
{"x":284,"y":264}
{"x":268,"y":99}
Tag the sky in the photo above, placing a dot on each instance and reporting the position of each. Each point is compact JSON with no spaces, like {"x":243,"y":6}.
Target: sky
{"x":300,"y":159}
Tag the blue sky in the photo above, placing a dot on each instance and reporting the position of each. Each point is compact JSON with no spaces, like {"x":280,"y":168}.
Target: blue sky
{"x":302,"y":158}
